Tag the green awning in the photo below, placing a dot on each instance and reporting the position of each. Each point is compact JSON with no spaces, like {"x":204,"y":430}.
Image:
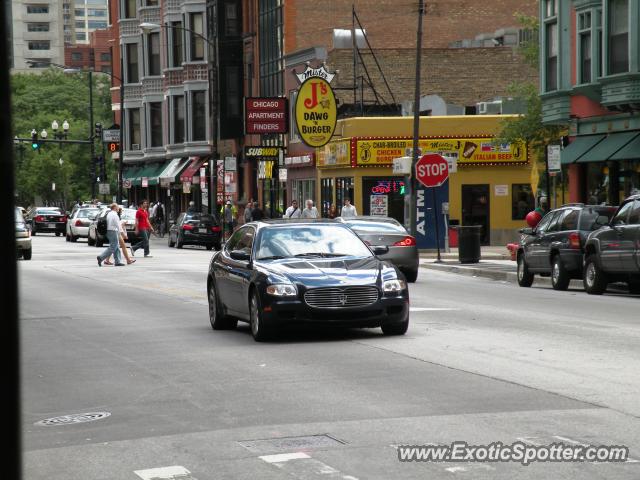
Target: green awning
{"x":605,"y":149}
{"x":130,"y":173}
{"x":150,"y":171}
{"x":631,"y":151}
{"x":579,"y":147}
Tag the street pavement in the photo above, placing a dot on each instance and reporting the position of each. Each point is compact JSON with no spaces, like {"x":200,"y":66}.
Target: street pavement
{"x":483,"y":361}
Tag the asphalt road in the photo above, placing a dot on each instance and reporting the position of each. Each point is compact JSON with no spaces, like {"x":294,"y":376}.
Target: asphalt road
{"x":483,"y":361}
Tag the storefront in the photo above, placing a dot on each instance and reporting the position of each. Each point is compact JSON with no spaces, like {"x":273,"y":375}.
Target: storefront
{"x":301,"y":178}
{"x":489,"y":184}
{"x":271,"y":177}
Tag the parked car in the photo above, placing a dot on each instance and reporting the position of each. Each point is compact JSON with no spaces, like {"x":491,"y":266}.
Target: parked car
{"x":23,"y":236}
{"x":403,"y":250}
{"x":78,"y":223}
{"x":195,"y":229}
{"x":612,"y":254}
{"x":555,"y":247}
{"x":94,"y":238}
{"x":47,"y":219}
{"x":279,"y":272}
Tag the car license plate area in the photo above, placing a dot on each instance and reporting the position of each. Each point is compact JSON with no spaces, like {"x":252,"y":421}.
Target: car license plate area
{"x":202,"y":230}
{"x":51,"y":225}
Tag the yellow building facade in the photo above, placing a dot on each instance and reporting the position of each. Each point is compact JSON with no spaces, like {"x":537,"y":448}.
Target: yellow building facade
{"x":489,"y":184}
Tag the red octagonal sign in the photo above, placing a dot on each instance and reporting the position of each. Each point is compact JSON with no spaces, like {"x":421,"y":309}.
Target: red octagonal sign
{"x":432,"y":170}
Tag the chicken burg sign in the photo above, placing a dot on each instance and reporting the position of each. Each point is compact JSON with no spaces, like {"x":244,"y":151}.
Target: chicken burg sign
{"x":316,"y":111}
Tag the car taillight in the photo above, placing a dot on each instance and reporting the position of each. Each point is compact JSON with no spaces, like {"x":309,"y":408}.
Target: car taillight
{"x":574,"y":240}
{"x":64,"y":219}
{"x":78,"y":223}
{"x":408,"y":241}
{"x":186,"y":226}
{"x":39,"y":218}
{"x":216,"y":229}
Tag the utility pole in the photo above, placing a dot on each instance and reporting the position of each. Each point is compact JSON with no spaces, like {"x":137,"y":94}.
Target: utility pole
{"x":416,"y":127}
{"x":91,"y":136}
{"x":122,"y":118}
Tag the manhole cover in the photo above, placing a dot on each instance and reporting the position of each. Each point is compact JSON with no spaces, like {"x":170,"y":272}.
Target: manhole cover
{"x":73,"y":418}
{"x":289,"y":444}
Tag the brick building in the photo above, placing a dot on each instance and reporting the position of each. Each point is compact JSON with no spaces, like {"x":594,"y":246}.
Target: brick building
{"x":95,"y":55}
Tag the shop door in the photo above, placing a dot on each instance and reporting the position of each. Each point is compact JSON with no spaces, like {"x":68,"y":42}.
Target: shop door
{"x":475,"y":208}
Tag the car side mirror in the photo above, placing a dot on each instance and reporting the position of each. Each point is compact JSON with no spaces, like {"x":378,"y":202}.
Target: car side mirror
{"x":380,"y":249}
{"x":240,"y":255}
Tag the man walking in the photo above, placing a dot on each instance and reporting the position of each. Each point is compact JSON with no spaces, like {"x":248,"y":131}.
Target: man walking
{"x":310,"y":211}
{"x":143,"y":228}
{"x":247,"y":211}
{"x":256,"y":212}
{"x":228,"y":215}
{"x":348,"y":210}
{"x":293,"y":211}
{"x":113,"y":232}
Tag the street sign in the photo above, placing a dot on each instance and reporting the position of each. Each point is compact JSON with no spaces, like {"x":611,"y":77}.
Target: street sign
{"x":126,"y":183}
{"x":111,"y":136}
{"x":432,"y":170}
{"x":553,"y":158}
{"x":104,"y":189}
{"x":402,"y":165}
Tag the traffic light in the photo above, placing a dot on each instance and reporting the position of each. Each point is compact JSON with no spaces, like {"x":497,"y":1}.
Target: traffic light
{"x":98,"y":131}
{"x":35,"y":144}
{"x":101,"y":168}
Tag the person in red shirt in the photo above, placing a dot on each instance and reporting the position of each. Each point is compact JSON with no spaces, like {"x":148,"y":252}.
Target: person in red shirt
{"x":143,"y":228}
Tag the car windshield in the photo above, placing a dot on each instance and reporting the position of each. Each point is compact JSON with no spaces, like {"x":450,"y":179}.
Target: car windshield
{"x":85,"y":213}
{"x":311,"y":241}
{"x":364,"y":226}
{"x":49,"y":211}
{"x":594,"y":218}
{"x":201,"y":217}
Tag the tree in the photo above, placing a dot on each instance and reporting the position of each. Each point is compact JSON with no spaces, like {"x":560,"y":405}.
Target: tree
{"x":37,"y":100}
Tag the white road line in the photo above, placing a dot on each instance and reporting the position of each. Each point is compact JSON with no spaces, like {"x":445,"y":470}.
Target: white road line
{"x":165,"y":473}
{"x":283,"y":457}
{"x":468,"y":468}
{"x":301,"y":465}
{"x":432,"y":309}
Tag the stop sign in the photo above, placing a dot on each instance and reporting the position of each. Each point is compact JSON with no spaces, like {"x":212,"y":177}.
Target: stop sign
{"x":432,"y":170}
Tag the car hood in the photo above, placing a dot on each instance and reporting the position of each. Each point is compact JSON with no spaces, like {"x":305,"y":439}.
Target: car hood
{"x":324,"y":272}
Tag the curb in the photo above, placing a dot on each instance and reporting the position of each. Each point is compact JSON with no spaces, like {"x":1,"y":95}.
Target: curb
{"x":511,"y":277}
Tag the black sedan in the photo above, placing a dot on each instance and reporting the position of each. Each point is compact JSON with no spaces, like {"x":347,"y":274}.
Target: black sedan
{"x":195,"y":229}
{"x":47,"y":219}
{"x":279,"y":272}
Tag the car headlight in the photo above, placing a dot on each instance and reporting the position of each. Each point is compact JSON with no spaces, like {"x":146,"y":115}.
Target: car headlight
{"x":392,"y":286}
{"x":282,"y":290}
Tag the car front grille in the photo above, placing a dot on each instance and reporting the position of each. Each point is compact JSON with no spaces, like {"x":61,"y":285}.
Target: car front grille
{"x":341,"y":297}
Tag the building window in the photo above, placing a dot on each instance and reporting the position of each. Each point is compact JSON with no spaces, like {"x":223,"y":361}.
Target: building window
{"x":95,"y":24}
{"x":197,"y":42}
{"x":79,"y":12}
{"x":97,"y":13}
{"x":81,"y":36}
{"x":153,"y":53}
{"x":155,"y":123}
{"x":522,"y":200}
{"x":37,"y":8}
{"x":40,"y":45}
{"x":76,"y":56}
{"x":175,"y":36}
{"x":80,"y":24}
{"x":326,"y":196}
{"x":584,"y":45}
{"x":231,"y":23}
{"x":270,"y":40}
{"x":129,"y":7}
{"x":198,"y":116}
{"x":618,"y":36}
{"x":178,"y":119}
{"x":133,"y":75}
{"x":37,"y":27}
{"x":105,"y":57}
{"x":151,"y":3}
{"x":134,"y":129}
{"x":551,"y":45}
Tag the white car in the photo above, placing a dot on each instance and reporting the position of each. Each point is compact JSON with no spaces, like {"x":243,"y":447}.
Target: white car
{"x":78,"y":224}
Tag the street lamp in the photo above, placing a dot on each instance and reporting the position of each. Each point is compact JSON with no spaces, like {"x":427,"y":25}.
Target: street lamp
{"x":147,"y":27}
{"x":43,"y":134}
{"x":65,"y":130}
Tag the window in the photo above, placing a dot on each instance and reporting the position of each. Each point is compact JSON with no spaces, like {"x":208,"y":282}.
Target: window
{"x":80,"y":24}
{"x":522,"y":201}
{"x":81,"y":36}
{"x":178,"y":119}
{"x":79,"y":12}
{"x":134,"y":129}
{"x":40,"y":45}
{"x":37,"y":27}
{"x":133,"y":75}
{"x":92,"y":12}
{"x":634,"y":216}
{"x":155,"y":123}
{"x":129,"y":7}
{"x":270,"y":40}
{"x":105,"y":57}
{"x":175,"y":34}
{"x":151,"y":3}
{"x":584,"y":44}
{"x":344,"y":189}
{"x":326,"y":196}
{"x":621,"y":216}
{"x":198,"y":117}
{"x":570,"y":221}
{"x":153,"y":53}
{"x":544,"y":223}
{"x":551,"y":56}
{"x":598,"y":59}
{"x":37,"y":8}
{"x":231,"y":24}
{"x":76,"y":56}
{"x":197,"y":42}
{"x":97,"y":24}
{"x":618,"y":36}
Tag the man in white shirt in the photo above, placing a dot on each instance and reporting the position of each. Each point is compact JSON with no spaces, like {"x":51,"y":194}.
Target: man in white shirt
{"x":293,"y":211}
{"x":348,"y":210}
{"x":310,"y":211}
{"x":113,"y":231}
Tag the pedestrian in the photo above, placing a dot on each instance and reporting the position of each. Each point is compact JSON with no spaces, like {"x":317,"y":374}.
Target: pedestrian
{"x":143,"y":228}
{"x":310,"y":211}
{"x":160,"y":217}
{"x":332,"y":211}
{"x":256,"y":212}
{"x":228,"y":217}
{"x":122,"y":238}
{"x":247,"y":211}
{"x":293,"y":211}
{"x":152,"y":211}
{"x":192,"y":207}
{"x":348,"y":210}
{"x":113,"y":229}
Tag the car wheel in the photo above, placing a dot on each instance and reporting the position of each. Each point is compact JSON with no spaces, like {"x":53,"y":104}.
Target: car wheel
{"x":33,"y":232}
{"x":179,"y":243}
{"x":594,"y":279}
{"x":58,"y":234}
{"x":73,"y":238}
{"x":260,"y":330}
{"x":634,"y":287}
{"x":26,"y":254}
{"x":218,"y":320}
{"x":209,"y":247}
{"x":559,"y":275}
{"x":171,"y":243}
{"x":525,"y":277}
{"x":396,"y":328}
{"x":90,"y":242}
{"x":67,"y":238}
{"x":218,"y":247}
{"x":411,"y":275}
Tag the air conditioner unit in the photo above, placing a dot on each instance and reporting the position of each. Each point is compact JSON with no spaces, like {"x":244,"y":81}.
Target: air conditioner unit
{"x":135,"y":146}
{"x":490,"y":108}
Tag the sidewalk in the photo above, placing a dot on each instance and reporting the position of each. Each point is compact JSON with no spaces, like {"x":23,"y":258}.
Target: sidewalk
{"x":486,"y":253}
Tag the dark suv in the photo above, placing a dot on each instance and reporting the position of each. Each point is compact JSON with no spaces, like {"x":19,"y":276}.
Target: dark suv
{"x":196,"y":229}
{"x":612,"y":254}
{"x":555,"y":247}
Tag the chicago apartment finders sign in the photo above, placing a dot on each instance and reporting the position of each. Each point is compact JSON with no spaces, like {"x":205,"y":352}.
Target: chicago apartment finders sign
{"x":266,"y":115}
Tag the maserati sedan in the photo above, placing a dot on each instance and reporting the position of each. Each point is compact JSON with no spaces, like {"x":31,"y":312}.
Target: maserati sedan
{"x":274,"y":273}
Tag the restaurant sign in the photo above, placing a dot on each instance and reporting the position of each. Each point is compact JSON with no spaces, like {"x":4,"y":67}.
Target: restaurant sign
{"x":316,"y":110}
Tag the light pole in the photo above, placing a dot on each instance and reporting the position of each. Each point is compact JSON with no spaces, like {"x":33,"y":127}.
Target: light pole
{"x":147,"y":27}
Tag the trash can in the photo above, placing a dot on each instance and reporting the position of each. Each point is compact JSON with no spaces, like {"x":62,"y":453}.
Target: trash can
{"x":469,"y":243}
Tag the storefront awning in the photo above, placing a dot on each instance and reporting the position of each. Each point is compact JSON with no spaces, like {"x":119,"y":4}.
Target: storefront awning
{"x":192,"y":169}
{"x":173,"y":169}
{"x":150,"y":171}
{"x":631,"y":151}
{"x":579,"y":147}
{"x":605,"y":149}
{"x":130,"y":173}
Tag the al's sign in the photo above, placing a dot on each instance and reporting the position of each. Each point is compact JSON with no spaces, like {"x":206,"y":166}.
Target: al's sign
{"x":316,"y":111}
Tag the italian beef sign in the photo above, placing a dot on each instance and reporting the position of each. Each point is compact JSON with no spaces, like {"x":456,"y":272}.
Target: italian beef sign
{"x":316,"y":112}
